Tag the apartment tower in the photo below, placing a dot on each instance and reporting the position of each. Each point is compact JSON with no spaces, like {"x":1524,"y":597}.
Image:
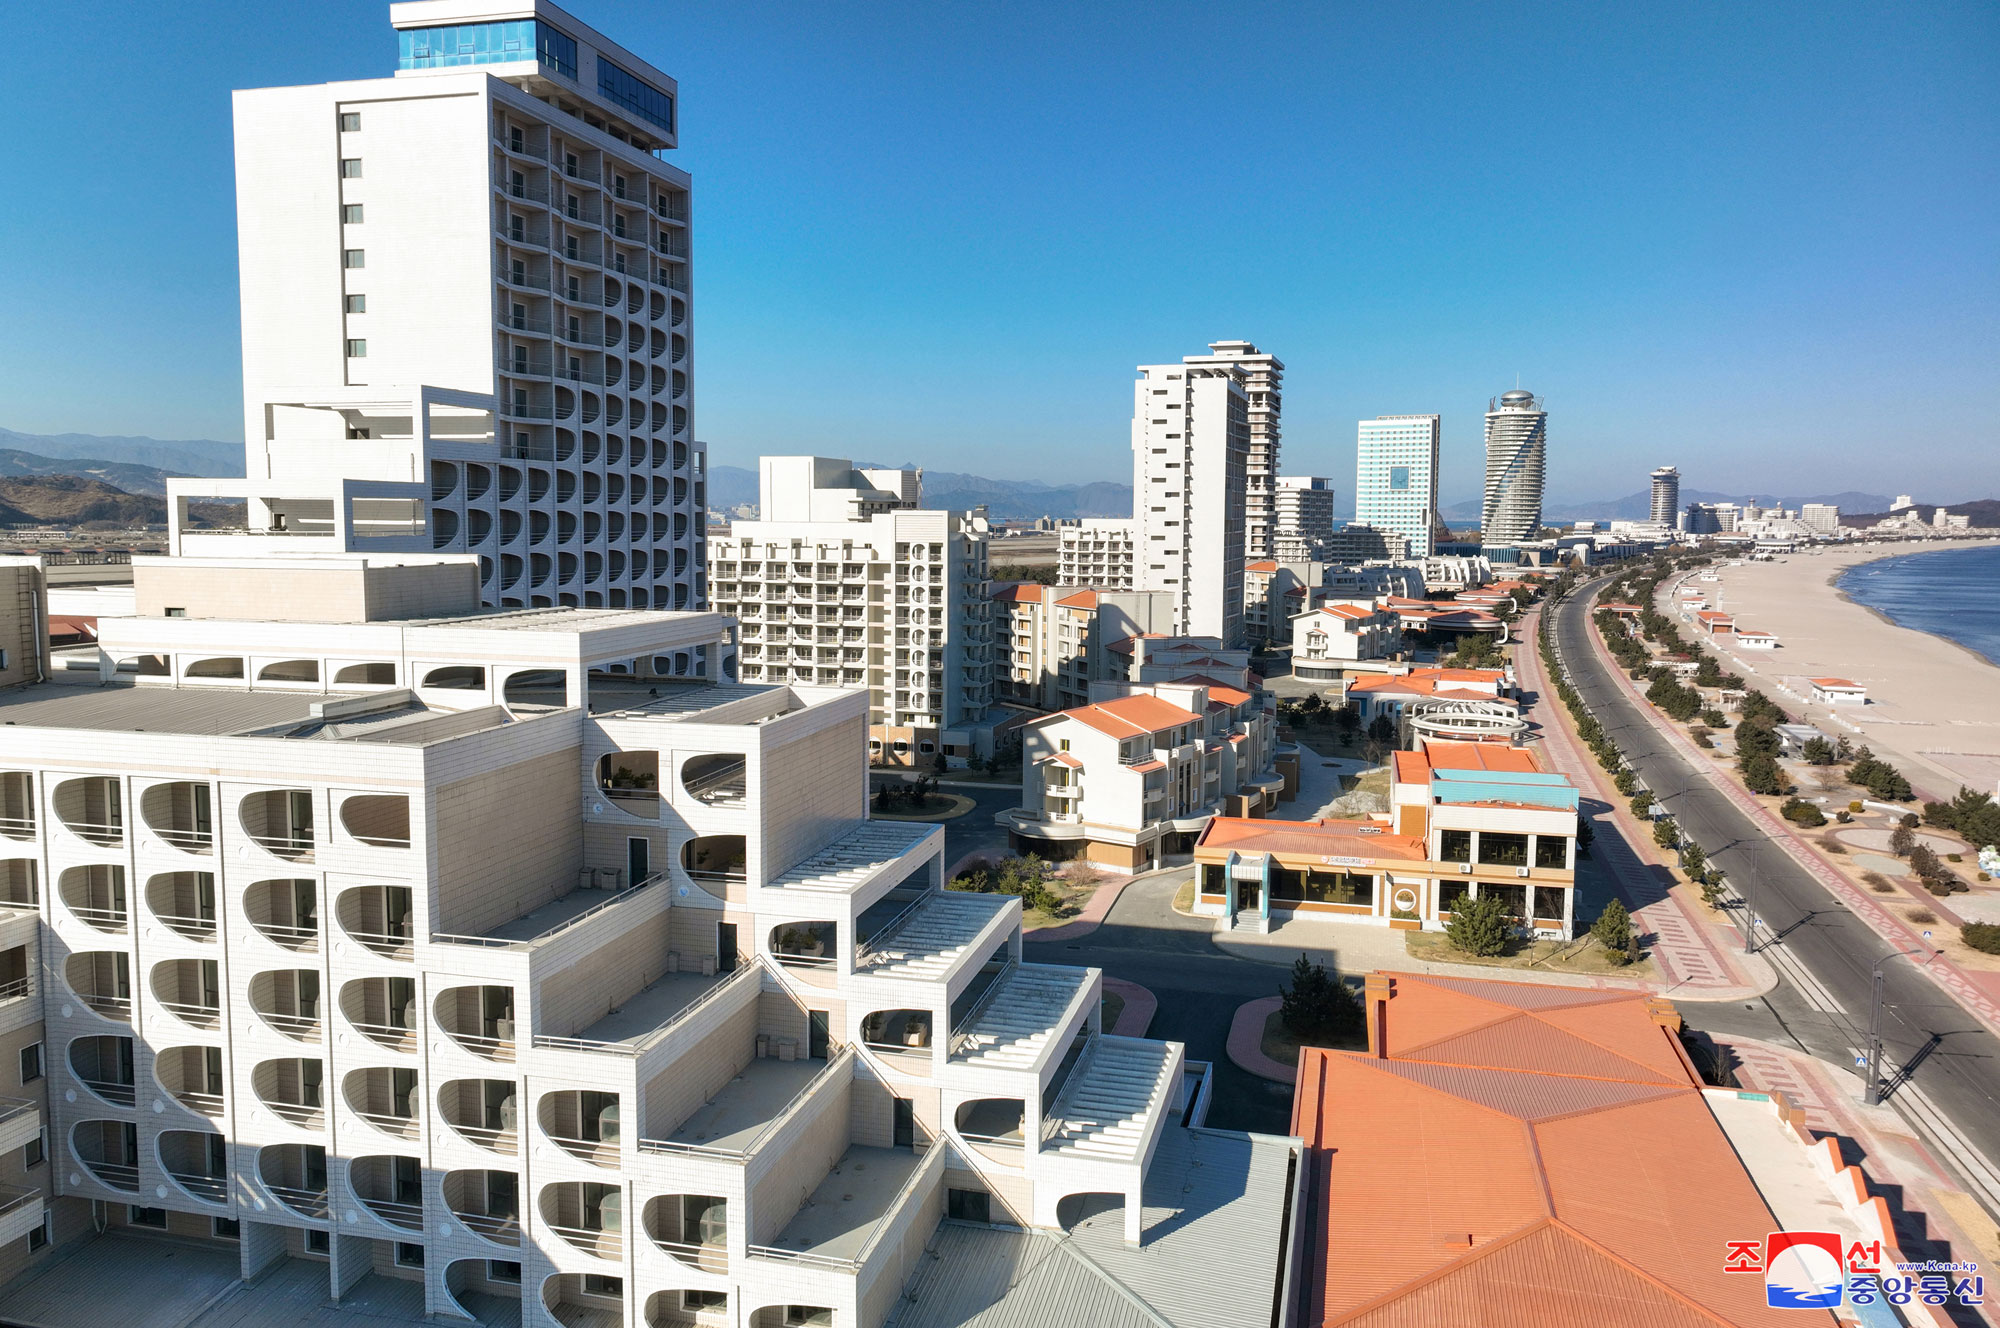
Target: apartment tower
{"x":466,"y":313}
{"x":1666,"y":495}
{"x":1396,"y":478}
{"x":1517,"y":431}
{"x":1190,"y":458}
{"x":849,"y":582}
{"x":1263,"y":381}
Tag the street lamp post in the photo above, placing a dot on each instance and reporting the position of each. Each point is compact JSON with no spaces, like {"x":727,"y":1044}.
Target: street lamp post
{"x":1873,"y":1097}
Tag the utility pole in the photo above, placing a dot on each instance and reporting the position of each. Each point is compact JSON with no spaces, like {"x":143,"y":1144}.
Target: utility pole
{"x":1873,"y":1096}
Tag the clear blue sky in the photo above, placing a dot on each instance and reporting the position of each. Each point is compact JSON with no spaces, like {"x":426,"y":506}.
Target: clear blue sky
{"x":1760,"y":241}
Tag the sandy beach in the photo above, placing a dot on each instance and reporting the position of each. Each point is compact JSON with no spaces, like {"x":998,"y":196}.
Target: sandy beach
{"x":1934,"y":706}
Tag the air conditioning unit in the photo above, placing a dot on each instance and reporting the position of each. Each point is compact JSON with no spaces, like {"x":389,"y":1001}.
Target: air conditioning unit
{"x":1465,"y":867}
{"x":1520,"y":871}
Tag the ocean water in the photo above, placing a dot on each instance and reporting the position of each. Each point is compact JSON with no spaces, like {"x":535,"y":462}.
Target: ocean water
{"x":1954,"y":594}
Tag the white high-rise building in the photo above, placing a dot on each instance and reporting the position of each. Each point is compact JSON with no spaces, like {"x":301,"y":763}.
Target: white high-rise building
{"x":1396,"y":478}
{"x":847,"y":583}
{"x":1263,"y":381}
{"x":1517,"y":430}
{"x":1190,"y":451}
{"x":1821,"y":518}
{"x":1666,"y":495}
{"x":1304,"y":517}
{"x":466,"y":314}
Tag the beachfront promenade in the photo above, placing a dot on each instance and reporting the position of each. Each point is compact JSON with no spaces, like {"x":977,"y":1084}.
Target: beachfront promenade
{"x":1947,"y":1060}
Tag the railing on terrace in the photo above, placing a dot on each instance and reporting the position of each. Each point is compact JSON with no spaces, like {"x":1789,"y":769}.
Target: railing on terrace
{"x":396,"y":1213}
{"x":103,"y":919}
{"x":841,"y":1056}
{"x":392,"y":1036}
{"x":190,"y":841}
{"x":302,"y":1027}
{"x":111,"y":1090}
{"x":292,"y":938}
{"x":603,"y":1244}
{"x":111,"y":1007}
{"x":598,"y":1152}
{"x":933,"y":1162}
{"x":307,"y":1203}
{"x":195,"y":929}
{"x":13,"y":1198}
{"x":959,"y":1029}
{"x":501,"y":943}
{"x":18,"y":987}
{"x":708,"y":1258}
{"x":500,"y":1229}
{"x":866,"y":948}
{"x":118,"y":1175}
{"x":504,"y":1142}
{"x":403,"y":1127}
{"x":212,"y":1189}
{"x":390,"y":945}
{"x":296,"y":848}
{"x":403,"y":841}
{"x":302,"y":1114}
{"x":492,"y":1048}
{"x":206,"y":1104}
{"x":745,"y":968}
{"x":97,"y":832}
{"x":17,"y":827}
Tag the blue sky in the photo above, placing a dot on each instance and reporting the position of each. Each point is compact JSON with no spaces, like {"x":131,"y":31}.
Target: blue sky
{"x":1758,"y":241}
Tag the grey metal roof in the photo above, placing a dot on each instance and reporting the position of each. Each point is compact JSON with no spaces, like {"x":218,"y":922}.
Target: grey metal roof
{"x":867,"y":849}
{"x":155,"y":709}
{"x":1214,"y":1211}
{"x":991,"y":1277}
{"x":1214,"y":1229}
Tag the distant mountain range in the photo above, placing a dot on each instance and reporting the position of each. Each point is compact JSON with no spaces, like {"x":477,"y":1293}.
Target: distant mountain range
{"x":1985,"y":513}
{"x":192,"y":456}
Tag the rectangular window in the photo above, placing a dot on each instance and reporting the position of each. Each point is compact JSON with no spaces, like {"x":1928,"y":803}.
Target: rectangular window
{"x":350,"y":213}
{"x":408,"y":1255}
{"x":357,"y":304}
{"x":31,"y":1062}
{"x":350,"y":168}
{"x":969,"y":1205}
{"x":1454,"y":846}
{"x":227,"y":1228}
{"x":147,"y":1217}
{"x":317,"y":1242}
{"x":1501,"y":850}
{"x":175,"y":613}
{"x":704,"y":1300}
{"x":353,"y":258}
{"x":595,"y":1284}
{"x":39,"y":1237}
{"x":502,"y":1270}
{"x":485,"y":44}
{"x":350,"y":121}
{"x":1552,"y":852}
{"x":1451,"y":894}
{"x":357,"y":348}
{"x":35,"y":1152}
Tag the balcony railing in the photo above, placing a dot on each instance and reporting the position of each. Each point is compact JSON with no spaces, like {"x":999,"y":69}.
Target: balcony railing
{"x":504,"y":1142}
{"x":839,"y":1058}
{"x":305,"y":1202}
{"x":102,"y":833}
{"x":118,"y":1175}
{"x":603,"y":1244}
{"x":389,"y":945}
{"x":116,"y":1093}
{"x":492,"y":1048}
{"x":302,"y":1114}
{"x":211,"y":1189}
{"x":201,"y":1016}
{"x":17,"y":827}
{"x":708,"y":1258}
{"x":195,"y":929}
{"x":503,"y":943}
{"x":602,"y":1152}
{"x":396,"y":1212}
{"x":205,"y":1104}
{"x":111,"y":1007}
{"x":292,"y":938}
{"x":190,"y":841}
{"x":103,"y":919}
{"x":403,"y":1127}
{"x":392,"y":1036}
{"x":500,"y":1229}
{"x":745,"y":969}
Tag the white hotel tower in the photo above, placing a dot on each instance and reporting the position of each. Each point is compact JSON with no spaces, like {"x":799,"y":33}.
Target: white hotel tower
{"x":1517,"y":432}
{"x":466,"y":316}
{"x":1396,"y":478}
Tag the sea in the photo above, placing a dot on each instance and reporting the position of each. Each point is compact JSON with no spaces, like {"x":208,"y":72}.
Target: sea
{"x":1954,"y":594}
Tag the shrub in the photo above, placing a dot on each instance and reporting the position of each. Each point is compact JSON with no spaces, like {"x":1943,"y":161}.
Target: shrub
{"x":1923,"y":917}
{"x":1481,"y":927}
{"x":1761,"y":774}
{"x":1642,"y":803}
{"x":1665,"y":835}
{"x":1802,"y":813}
{"x":1585,"y":833}
{"x":1714,"y":718}
{"x":1901,"y":841}
{"x":1954,"y":857}
{"x":1699,"y":736}
{"x":1854,"y":808}
{"x":1832,"y":845}
{"x":1817,"y":751}
{"x":1625,"y":781}
{"x":1981,"y":936}
{"x":1613,"y":930}
{"x":1909,"y":821}
{"x":1317,"y":1006}
{"x":1844,"y":817}
{"x":1877,"y":882}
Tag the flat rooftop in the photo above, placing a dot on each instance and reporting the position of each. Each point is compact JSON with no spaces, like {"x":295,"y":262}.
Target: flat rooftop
{"x":739,"y":1111}
{"x":120,"y":708}
{"x":646,"y":1012}
{"x":844,"y":1210}
{"x":660,"y":699}
{"x":858,"y":857}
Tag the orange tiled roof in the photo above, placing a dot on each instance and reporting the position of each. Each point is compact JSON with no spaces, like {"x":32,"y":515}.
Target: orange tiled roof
{"x":1217,"y":690}
{"x":1123,"y":645}
{"x":1477,"y":756}
{"x":1265,"y":565}
{"x":1461,"y":1177}
{"x":1326,"y":838}
{"x":1129,"y":716}
{"x":1082,"y":599}
{"x":1836,"y":682}
{"x":1024,"y":592}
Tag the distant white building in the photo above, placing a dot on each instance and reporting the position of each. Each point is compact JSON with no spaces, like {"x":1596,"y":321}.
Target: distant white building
{"x":1838,"y":691}
{"x":1820,"y":518}
{"x":1096,"y":553}
{"x":1263,"y":377}
{"x":844,"y":584}
{"x":1304,"y":514}
{"x":1328,"y":638}
{"x":1517,"y":436}
{"x":1396,"y":478}
{"x":1666,"y":495}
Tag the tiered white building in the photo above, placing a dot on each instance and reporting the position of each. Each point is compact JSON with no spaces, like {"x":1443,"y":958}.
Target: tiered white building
{"x":467,"y":316}
{"x":848,"y":582}
{"x":387,"y":942}
{"x":1263,"y":385}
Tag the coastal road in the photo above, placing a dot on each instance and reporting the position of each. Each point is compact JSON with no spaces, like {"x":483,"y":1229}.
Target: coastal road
{"x":1947,"y":1065}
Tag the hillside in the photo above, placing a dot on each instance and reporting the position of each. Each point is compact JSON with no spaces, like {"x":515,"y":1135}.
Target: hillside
{"x":75,"y":500}
{"x":1985,"y":513}
{"x":127,"y":476}
{"x":190,"y":456}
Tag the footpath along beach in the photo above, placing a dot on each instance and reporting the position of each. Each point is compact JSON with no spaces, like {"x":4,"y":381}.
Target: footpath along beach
{"x":1934,"y":706}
